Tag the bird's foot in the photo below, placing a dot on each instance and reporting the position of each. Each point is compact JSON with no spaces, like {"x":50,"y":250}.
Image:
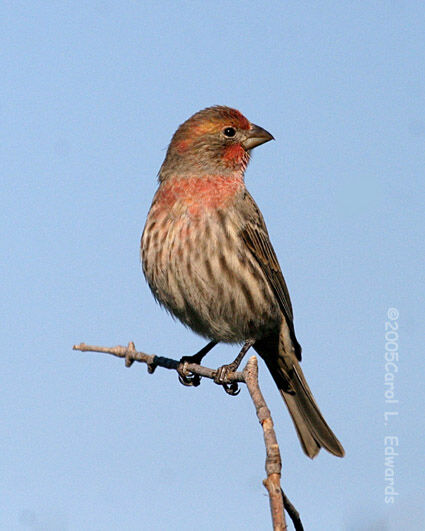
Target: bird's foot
{"x":221,"y":376}
{"x":222,"y":373}
{"x":186,"y":377}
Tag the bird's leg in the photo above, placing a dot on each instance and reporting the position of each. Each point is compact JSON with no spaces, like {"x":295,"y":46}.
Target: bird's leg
{"x":193,"y":380}
{"x":224,"y":370}
{"x":198,"y":357}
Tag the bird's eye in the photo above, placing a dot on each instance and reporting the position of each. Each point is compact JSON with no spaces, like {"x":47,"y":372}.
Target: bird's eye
{"x":229,"y":132}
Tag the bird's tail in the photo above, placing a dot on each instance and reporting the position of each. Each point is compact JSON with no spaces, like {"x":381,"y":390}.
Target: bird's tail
{"x":312,"y":429}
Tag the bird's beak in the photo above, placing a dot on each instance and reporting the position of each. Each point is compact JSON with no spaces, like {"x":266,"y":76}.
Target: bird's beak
{"x":255,"y":137}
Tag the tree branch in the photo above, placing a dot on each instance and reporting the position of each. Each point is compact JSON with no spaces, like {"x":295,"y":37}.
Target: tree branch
{"x":249,"y":376}
{"x":152,"y":361}
{"x":273,"y":460}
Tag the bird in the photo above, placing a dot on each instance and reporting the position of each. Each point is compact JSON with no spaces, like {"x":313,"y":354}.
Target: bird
{"x":207,"y":257}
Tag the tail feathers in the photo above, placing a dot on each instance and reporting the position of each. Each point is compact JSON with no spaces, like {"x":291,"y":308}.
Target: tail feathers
{"x":312,"y":429}
{"x":310,"y":446}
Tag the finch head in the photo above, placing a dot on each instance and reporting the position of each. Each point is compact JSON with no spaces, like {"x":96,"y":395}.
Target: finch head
{"x":216,"y":140}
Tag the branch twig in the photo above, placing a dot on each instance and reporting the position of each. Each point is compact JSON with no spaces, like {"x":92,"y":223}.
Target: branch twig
{"x":273,"y":460}
{"x":152,"y":361}
{"x":293,"y":513}
{"x":249,"y":376}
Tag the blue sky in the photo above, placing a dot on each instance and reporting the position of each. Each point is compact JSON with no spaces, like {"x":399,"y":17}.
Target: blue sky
{"x":91,"y":94}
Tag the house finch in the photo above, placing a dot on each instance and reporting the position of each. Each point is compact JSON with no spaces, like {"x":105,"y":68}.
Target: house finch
{"x":208,"y":259}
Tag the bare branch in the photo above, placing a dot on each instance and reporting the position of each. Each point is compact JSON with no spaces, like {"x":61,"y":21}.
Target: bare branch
{"x":293,"y":513}
{"x":249,"y":376}
{"x":273,"y":461}
{"x":152,"y":361}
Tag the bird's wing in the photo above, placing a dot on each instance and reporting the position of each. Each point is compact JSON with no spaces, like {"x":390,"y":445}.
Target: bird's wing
{"x":256,"y":237}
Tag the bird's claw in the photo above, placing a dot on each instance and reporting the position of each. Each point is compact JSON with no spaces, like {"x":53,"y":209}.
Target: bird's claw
{"x":186,"y":378}
{"x":232,"y":389}
{"x":220,"y":378}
